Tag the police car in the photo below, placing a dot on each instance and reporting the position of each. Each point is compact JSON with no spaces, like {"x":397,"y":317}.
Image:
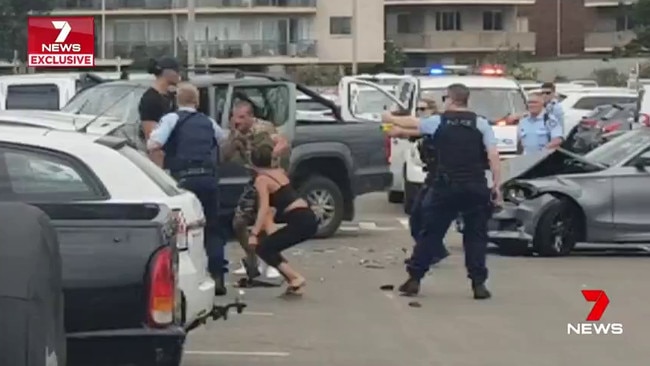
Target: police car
{"x":147,"y":183}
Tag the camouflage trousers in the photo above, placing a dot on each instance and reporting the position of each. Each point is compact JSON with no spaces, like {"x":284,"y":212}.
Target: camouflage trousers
{"x":247,"y":205}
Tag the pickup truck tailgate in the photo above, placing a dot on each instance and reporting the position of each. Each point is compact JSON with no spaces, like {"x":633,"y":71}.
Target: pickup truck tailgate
{"x":105,"y":250}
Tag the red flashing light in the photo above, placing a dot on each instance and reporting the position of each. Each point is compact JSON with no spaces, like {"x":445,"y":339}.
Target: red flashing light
{"x":492,"y":70}
{"x":644,"y":119}
{"x":611,"y":128}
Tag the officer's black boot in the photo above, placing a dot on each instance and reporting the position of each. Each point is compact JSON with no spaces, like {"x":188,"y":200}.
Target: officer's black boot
{"x":410,"y":288}
{"x":481,"y":292}
{"x":219,"y":285}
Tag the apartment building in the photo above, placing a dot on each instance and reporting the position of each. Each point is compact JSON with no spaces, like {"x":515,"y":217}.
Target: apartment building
{"x":235,"y":32}
{"x":571,"y":27}
{"x":458,"y":30}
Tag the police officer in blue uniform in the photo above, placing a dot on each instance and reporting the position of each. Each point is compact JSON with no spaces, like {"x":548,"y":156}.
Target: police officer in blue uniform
{"x":552,"y":104}
{"x":462,"y":139}
{"x":190,"y":141}
{"x":539,"y":130}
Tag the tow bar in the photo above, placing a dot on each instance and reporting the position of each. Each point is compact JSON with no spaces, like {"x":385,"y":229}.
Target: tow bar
{"x":221,"y":311}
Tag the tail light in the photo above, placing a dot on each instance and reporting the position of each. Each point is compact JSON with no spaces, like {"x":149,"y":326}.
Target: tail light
{"x":181,"y":229}
{"x":611,"y":128}
{"x":388,"y":148}
{"x":162,"y":288}
{"x":644,"y":119}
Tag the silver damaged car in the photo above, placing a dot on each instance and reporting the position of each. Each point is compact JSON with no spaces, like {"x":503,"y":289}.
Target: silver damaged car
{"x":557,"y":199}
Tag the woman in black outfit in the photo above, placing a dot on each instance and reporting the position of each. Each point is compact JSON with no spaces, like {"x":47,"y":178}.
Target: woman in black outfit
{"x":274,"y":190}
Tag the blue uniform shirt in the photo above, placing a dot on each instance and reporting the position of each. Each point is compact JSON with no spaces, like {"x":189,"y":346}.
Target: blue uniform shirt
{"x":553,"y":108}
{"x":429,"y":126}
{"x":535,"y":134}
{"x":164,"y":129}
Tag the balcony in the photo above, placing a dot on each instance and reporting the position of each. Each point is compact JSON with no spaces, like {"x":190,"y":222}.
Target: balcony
{"x":139,"y":51}
{"x":607,"y":3}
{"x":91,"y":7}
{"x":256,"y":51}
{"x":441,"y":42}
{"x":459,"y":2}
{"x":605,"y":41}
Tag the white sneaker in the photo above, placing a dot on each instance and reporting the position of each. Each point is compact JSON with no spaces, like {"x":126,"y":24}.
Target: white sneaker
{"x":240,"y":271}
{"x":271,"y":272}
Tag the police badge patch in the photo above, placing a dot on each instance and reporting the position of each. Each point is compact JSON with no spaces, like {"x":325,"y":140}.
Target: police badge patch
{"x":552,"y":123}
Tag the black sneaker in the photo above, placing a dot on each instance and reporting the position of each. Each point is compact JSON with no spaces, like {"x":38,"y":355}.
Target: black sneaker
{"x":250,"y":272}
{"x":410,"y":288}
{"x":481,"y":292}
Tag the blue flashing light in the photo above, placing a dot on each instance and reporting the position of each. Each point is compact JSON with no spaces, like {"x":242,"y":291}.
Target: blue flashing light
{"x":436,"y":71}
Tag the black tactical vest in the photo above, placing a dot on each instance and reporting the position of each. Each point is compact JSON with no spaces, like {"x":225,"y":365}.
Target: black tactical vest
{"x":191,"y":144}
{"x":461,"y":152}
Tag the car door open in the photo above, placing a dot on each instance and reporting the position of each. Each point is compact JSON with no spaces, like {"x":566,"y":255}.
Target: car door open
{"x":351,"y":100}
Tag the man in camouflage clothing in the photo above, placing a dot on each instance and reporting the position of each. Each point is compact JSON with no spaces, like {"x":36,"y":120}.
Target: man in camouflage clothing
{"x":249,"y":133}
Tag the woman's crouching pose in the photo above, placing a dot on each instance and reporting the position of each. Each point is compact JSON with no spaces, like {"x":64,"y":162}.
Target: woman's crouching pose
{"x":274,"y":190}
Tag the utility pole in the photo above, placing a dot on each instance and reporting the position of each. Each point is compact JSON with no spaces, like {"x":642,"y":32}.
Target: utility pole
{"x":103,"y":47}
{"x":355,"y":37}
{"x":558,"y":28}
{"x":191,"y":25}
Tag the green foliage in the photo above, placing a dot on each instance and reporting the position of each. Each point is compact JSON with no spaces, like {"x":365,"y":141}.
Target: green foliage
{"x":609,"y":77}
{"x":13,"y":25}
{"x":561,"y":79}
{"x":394,"y":58}
{"x":640,"y":12}
{"x":323,"y":75}
{"x":512,"y":59}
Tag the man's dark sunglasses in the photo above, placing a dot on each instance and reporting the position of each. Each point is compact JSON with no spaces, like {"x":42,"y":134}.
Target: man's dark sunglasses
{"x":421,"y":109}
{"x":547,"y":92}
{"x":444,"y":97}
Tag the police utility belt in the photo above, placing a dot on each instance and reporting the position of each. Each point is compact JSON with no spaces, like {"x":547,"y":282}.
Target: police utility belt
{"x":193,"y":172}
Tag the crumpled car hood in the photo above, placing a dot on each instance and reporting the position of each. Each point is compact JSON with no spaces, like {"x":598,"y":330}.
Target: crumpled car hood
{"x":548,"y":164}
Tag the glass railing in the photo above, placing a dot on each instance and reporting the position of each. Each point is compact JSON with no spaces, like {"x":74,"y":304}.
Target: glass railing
{"x":255,"y":48}
{"x":139,"y":50}
{"x":169,"y":4}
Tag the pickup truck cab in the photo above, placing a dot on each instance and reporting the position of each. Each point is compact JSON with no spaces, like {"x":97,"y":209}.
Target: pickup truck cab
{"x":332,"y":160}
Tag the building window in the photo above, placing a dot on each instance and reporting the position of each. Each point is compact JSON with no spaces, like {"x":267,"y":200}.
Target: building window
{"x":340,"y":25}
{"x":624,"y":23}
{"x":448,"y":21}
{"x":492,"y":21}
{"x":403,"y":23}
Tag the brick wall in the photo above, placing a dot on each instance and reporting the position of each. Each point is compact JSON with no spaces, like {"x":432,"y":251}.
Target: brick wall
{"x":575,"y":21}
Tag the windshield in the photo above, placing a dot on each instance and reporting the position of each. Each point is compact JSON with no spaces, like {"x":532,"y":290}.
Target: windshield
{"x":619,"y":149}
{"x":372,"y":101}
{"x":116,"y":101}
{"x":491,"y":103}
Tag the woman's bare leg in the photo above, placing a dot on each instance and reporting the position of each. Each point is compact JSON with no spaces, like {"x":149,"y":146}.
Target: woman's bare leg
{"x":295,"y":280}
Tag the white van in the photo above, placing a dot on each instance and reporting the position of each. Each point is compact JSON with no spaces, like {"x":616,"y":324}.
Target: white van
{"x":46,"y":91}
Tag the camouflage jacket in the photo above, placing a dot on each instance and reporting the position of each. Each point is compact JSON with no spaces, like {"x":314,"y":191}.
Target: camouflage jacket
{"x":239,"y":145}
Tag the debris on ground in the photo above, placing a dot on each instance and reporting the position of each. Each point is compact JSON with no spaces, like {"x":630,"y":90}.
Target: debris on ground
{"x":371,"y":250}
{"x":415,"y":304}
{"x":387,"y":287}
{"x":374,"y":266}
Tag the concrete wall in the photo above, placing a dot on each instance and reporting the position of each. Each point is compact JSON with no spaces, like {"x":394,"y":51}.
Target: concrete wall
{"x":581,"y":68}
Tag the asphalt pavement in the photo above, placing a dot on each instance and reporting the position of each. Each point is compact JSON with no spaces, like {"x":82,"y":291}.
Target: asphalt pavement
{"x":344,"y":319}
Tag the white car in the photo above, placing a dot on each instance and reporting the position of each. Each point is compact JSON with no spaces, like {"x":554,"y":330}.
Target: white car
{"x":128,"y":176}
{"x":578,"y":104}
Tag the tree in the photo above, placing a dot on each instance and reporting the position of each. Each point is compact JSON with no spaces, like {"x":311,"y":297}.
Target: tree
{"x":640,"y":13}
{"x":394,"y":58}
{"x":13,"y":25}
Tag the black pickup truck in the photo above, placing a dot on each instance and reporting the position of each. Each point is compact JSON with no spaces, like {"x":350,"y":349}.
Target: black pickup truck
{"x":119,"y":265}
{"x":332,"y":161}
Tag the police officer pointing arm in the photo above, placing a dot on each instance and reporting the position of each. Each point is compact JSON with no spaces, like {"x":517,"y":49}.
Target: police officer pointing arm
{"x":190,"y":140}
{"x":462,"y":140}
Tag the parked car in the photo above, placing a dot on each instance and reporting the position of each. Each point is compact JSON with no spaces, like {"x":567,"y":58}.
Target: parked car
{"x":592,"y":130}
{"x":559,"y":199}
{"x":579,"y":103}
{"x":332,"y":160}
{"x":46,"y":166}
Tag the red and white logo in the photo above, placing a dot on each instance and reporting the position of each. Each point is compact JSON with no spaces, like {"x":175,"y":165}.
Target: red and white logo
{"x":601,"y":301}
{"x":61,"y":41}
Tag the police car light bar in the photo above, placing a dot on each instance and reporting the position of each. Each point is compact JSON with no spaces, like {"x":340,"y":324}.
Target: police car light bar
{"x":492,"y":70}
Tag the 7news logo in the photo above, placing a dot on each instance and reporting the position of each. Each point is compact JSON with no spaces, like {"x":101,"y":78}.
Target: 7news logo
{"x":61,"y":41}
{"x":601,"y":301}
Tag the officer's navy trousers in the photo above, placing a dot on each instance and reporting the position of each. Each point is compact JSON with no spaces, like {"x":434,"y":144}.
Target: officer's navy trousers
{"x":415,"y":223}
{"x":206,"y":189}
{"x":440,"y":206}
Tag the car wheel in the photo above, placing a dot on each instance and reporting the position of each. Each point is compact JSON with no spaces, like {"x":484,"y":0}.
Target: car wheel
{"x":558,"y":229}
{"x":326,"y":200}
{"x":395,"y":197}
{"x":512,"y":248}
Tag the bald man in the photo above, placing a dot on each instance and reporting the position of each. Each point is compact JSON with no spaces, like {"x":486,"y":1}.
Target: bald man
{"x":190,"y":140}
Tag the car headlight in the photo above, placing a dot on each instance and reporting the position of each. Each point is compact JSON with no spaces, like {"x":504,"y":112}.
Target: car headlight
{"x":514,"y":194}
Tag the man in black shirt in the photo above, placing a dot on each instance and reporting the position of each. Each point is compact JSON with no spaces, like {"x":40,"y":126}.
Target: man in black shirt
{"x":157,"y":100}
